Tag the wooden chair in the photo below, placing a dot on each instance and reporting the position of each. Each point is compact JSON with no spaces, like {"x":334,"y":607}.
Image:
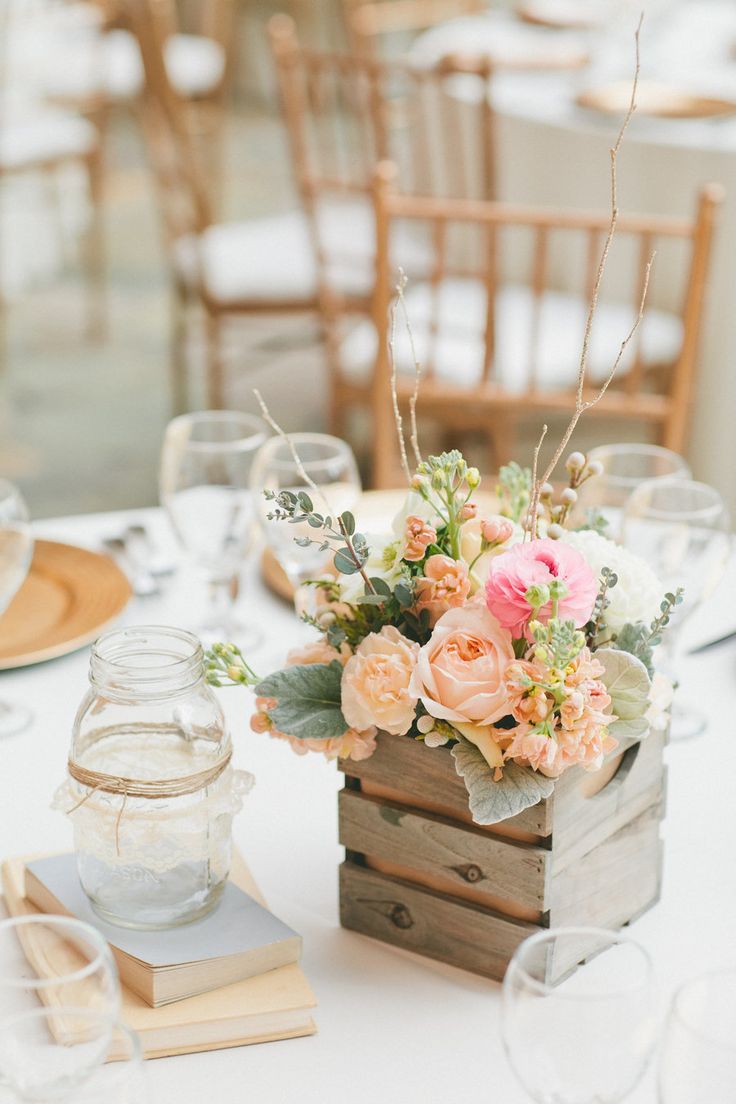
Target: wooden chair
{"x":40,"y":141}
{"x":493,"y":352}
{"x":226,"y":270}
{"x":343,"y":114}
{"x":368,"y":23}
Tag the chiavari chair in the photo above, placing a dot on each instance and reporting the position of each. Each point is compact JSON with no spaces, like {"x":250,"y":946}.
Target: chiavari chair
{"x":494,"y":351}
{"x":369,"y":23}
{"x":343,"y":114}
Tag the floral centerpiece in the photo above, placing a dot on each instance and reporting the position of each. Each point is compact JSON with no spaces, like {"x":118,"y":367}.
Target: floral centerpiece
{"x":524,"y":644}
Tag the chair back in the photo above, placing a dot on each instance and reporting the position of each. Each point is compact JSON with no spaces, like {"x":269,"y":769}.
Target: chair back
{"x":345,"y":112}
{"x":180,"y":182}
{"x":371,"y":25}
{"x":659,"y":393}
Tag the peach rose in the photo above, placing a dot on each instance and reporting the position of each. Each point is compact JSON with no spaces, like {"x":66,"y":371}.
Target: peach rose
{"x":460,"y":673}
{"x":317,"y":651}
{"x":445,"y":584}
{"x":375,"y":683}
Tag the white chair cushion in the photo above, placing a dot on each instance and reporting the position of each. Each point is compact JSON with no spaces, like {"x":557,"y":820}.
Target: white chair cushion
{"x":457,"y":350}
{"x":112,"y":63}
{"x":44,"y":136}
{"x":271,"y":259}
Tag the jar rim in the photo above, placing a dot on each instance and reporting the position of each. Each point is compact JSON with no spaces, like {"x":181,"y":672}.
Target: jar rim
{"x":112,"y":654}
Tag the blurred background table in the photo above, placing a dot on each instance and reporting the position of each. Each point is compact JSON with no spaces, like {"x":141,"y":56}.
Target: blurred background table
{"x":391,"y":1026}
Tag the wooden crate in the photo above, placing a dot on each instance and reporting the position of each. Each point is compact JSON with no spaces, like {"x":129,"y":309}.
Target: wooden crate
{"x":420,"y":874}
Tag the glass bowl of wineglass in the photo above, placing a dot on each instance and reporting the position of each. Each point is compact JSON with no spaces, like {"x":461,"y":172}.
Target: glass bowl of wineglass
{"x":327,"y":471}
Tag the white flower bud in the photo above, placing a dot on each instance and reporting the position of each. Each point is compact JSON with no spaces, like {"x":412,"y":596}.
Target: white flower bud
{"x":555,"y":531}
{"x":426,"y":723}
{"x":575,"y":461}
{"x":569,"y":496}
{"x":595,"y":468}
{"x":546,"y":491}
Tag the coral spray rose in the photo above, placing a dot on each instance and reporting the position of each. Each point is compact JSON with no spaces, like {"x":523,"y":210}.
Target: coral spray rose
{"x":537,"y":564}
{"x":445,"y":584}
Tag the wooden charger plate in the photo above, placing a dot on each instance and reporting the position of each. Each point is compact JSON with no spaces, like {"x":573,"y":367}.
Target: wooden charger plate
{"x":375,"y":512}
{"x":69,"y":596}
{"x":652,"y":98}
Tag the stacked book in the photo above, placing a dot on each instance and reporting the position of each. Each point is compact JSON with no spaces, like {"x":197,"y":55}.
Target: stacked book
{"x":228,"y":979}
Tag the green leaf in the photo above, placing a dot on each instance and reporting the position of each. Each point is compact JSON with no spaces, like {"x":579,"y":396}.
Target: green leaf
{"x":632,"y":729}
{"x":345,"y":563}
{"x":348,"y":522}
{"x":492,"y":801}
{"x":305,"y":501}
{"x":381,"y":586}
{"x":627,"y":681}
{"x":634,"y":639}
{"x":308,"y":700}
{"x":403,"y":595}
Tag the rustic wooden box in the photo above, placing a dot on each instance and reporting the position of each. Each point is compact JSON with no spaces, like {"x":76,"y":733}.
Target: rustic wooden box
{"x":419,"y":874}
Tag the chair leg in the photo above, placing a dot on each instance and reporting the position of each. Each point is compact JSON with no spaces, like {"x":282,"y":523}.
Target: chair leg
{"x":178,"y":350}
{"x":95,"y":252}
{"x":215,"y":367}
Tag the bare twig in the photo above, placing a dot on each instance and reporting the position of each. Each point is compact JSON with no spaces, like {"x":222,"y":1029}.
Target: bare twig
{"x":534,"y":496}
{"x":394,"y":382}
{"x":414,"y":439}
{"x":317,"y":490}
{"x":581,"y":404}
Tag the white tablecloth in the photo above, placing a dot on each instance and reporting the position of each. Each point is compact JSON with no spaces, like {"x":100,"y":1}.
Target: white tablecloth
{"x":392,"y":1026}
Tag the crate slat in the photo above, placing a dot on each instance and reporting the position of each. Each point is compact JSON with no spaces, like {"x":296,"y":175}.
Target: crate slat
{"x":448,"y":852}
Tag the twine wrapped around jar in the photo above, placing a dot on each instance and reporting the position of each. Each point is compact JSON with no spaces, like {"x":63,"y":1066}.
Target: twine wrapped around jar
{"x":139,"y":787}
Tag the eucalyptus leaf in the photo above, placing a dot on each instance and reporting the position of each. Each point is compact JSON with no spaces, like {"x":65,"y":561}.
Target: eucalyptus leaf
{"x":344,"y":563}
{"x":626,"y":679}
{"x":490,"y":801}
{"x":348,"y":522}
{"x":308,"y":700}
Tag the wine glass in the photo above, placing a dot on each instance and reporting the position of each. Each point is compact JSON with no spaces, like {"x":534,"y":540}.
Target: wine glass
{"x":682,"y":529}
{"x":205,"y":488}
{"x":329,"y":463}
{"x":58,"y":985}
{"x":16,"y":550}
{"x":61,"y":1054}
{"x":579,"y":1036}
{"x":625,"y":466}
{"x":698,"y":1060}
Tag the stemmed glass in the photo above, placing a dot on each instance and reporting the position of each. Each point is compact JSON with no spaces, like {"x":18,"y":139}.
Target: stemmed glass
{"x":698,"y":1060}
{"x":330,"y":464}
{"x":61,"y":1054}
{"x":16,"y":550}
{"x":682,"y":529}
{"x":625,"y":466}
{"x":205,"y":488}
{"x":582,"y":1037}
{"x":59,"y":999}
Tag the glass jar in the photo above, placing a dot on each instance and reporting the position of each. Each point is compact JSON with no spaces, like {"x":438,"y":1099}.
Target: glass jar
{"x":151,"y":790}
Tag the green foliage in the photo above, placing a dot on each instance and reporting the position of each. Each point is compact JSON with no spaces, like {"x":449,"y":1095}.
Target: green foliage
{"x":594,"y":520}
{"x":514,"y":489}
{"x":490,"y":801}
{"x":351,"y":548}
{"x":627,"y":681}
{"x":634,"y":639}
{"x":609,"y":579}
{"x":308,"y":700}
{"x":558,"y":642}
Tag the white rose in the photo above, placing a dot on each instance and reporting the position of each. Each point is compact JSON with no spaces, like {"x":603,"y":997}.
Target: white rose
{"x":638,"y":593}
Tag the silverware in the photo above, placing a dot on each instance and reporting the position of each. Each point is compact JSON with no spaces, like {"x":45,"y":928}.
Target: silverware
{"x":713,"y":643}
{"x":143,"y":546}
{"x":142,"y":581}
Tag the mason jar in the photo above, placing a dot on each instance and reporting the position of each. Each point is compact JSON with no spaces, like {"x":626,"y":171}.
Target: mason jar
{"x":151,"y":791}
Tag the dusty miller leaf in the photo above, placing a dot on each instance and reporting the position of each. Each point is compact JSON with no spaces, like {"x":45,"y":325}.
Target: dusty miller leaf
{"x":626,"y":679}
{"x":308,"y":700}
{"x":492,"y":801}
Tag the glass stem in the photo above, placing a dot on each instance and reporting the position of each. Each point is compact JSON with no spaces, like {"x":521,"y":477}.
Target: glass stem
{"x":222,"y":594}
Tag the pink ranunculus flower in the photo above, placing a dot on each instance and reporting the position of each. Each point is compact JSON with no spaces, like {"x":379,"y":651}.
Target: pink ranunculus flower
{"x":536,"y":563}
{"x":445,"y":585}
{"x":418,"y":535}
{"x":376,"y":683}
{"x":460,"y":673}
